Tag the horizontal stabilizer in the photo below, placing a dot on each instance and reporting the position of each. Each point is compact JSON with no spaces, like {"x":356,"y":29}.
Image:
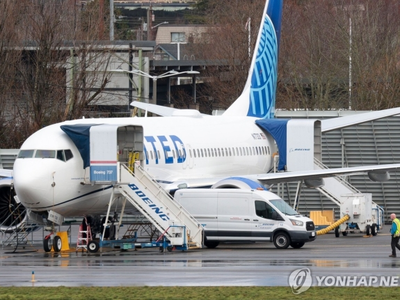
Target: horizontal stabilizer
{"x":354,"y":119}
{"x":167,"y":111}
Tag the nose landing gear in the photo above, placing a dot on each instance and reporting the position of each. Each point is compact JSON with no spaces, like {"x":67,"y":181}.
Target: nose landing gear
{"x":57,"y":243}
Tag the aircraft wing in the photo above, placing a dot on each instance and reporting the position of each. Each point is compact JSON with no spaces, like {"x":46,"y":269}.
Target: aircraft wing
{"x":167,"y":111}
{"x":5,"y":173}
{"x":375,"y":172}
{"x":311,"y":177}
{"x":346,"y":121}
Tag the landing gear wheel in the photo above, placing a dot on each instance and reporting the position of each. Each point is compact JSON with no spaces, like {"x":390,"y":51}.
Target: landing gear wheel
{"x":297,"y":245}
{"x":93,"y":246}
{"x":57,"y":244}
{"x":47,"y":244}
{"x":367,"y":230}
{"x":337,"y":233}
{"x":281,"y":240}
{"x":374,"y":229}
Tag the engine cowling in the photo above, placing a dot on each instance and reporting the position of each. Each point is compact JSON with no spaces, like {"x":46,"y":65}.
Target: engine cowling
{"x":12,"y":215}
{"x":238,"y":183}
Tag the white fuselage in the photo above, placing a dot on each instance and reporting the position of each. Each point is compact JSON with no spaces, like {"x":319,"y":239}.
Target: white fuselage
{"x":199,"y":151}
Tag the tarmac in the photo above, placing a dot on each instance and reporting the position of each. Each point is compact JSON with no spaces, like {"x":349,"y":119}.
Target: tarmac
{"x":353,"y":260}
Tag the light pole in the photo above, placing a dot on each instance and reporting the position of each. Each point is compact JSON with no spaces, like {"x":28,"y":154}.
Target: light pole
{"x":162,"y":23}
{"x":153,"y":27}
{"x":171,"y":73}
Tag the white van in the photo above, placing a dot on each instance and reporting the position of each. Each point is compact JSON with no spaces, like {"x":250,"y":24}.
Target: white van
{"x":246,"y":215}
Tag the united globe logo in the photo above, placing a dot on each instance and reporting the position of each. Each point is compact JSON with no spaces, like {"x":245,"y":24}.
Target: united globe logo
{"x":264,"y":77}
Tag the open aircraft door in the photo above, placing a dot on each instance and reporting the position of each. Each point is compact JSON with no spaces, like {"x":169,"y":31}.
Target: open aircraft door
{"x":113,"y":144}
{"x":103,"y":146}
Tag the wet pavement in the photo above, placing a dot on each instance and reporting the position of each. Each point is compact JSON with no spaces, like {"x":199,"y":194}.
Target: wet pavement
{"x":254,"y":264}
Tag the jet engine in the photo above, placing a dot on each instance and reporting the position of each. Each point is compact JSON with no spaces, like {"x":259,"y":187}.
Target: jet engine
{"x":237,"y":183}
{"x":12,"y":214}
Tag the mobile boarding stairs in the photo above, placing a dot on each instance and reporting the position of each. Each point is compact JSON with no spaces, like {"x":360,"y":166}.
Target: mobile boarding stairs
{"x":116,"y":158}
{"x":179,"y":229}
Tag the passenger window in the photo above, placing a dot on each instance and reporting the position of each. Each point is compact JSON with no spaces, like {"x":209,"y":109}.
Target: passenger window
{"x":264,"y":210}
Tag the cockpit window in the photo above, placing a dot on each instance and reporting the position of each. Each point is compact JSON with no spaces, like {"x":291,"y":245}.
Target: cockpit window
{"x":64,"y":155}
{"x":25,"y":153}
{"x":68,"y":154}
{"x":45,"y":154}
{"x":60,"y":155}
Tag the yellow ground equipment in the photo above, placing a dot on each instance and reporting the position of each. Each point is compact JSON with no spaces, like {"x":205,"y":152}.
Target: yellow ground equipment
{"x":322,"y":218}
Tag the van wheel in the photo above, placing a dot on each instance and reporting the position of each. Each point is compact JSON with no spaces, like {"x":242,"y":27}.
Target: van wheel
{"x":211,"y":244}
{"x":281,"y":240}
{"x":297,"y":245}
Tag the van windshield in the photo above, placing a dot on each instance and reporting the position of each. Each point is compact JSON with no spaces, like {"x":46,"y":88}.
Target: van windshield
{"x":284,"y":207}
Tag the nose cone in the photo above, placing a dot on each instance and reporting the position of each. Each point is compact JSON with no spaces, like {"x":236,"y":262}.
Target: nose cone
{"x":34,"y":182}
{"x":36,"y":173}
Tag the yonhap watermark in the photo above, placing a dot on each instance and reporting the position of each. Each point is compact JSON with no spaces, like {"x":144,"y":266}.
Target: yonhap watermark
{"x":300,"y":280}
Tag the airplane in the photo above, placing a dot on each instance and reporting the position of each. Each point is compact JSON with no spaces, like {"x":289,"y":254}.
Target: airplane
{"x":181,"y":148}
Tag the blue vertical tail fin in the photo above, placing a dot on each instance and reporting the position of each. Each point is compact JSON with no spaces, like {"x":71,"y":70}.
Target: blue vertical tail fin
{"x":259,"y":93}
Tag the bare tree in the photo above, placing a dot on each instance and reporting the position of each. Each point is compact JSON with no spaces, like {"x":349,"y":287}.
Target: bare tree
{"x":43,"y":39}
{"x":374,"y":51}
{"x":9,"y":92}
{"x":227,"y":44}
{"x":313,"y":57}
{"x":339,"y":54}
